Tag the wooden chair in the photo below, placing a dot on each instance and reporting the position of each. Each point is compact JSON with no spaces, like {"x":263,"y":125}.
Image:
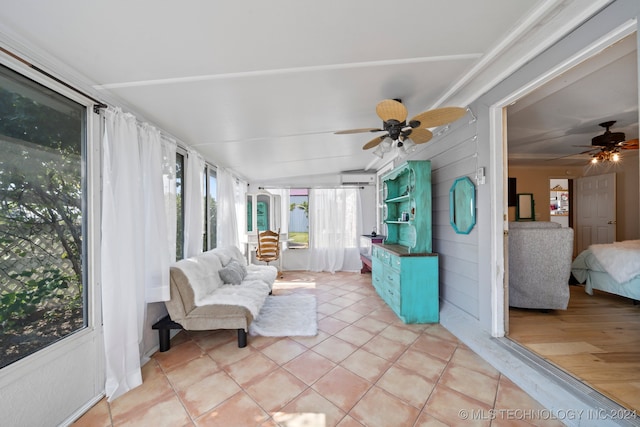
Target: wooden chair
{"x":268,"y":247}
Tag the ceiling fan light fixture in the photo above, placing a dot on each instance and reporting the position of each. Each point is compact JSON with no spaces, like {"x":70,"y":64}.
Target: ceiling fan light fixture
{"x":606,"y":156}
{"x":401,"y":135}
{"x":378,"y":151}
{"x":408,"y":147}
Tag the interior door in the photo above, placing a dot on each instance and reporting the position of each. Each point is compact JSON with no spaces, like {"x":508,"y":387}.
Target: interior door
{"x":596,"y":210}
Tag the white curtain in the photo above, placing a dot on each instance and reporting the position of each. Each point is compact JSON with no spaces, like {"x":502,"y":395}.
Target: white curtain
{"x":284,"y":207}
{"x":194,"y":205}
{"x":335,"y":226}
{"x":126,"y":268}
{"x":227,"y":226}
{"x":157,"y":250}
{"x":240,"y":194}
{"x":134,"y":255}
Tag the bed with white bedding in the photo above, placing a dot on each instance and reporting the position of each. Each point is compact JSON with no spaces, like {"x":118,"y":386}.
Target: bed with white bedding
{"x":613,"y":268}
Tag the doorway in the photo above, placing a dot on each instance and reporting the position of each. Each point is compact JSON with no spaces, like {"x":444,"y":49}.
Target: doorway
{"x":568,"y":338}
{"x":560,"y":201}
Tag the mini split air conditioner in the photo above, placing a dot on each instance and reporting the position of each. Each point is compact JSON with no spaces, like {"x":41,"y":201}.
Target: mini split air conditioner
{"x":357,"y":179}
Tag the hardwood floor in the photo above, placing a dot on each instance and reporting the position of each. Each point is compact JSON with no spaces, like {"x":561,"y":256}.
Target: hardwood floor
{"x":596,"y":340}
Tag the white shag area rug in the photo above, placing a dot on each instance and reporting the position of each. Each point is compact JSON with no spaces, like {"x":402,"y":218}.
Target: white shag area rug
{"x":286,"y":316}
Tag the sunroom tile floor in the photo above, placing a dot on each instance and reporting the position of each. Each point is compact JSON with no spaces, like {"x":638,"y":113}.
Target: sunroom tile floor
{"x":364,"y":368}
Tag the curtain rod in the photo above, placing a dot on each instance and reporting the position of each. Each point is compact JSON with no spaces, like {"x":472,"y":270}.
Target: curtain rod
{"x":98,"y":104}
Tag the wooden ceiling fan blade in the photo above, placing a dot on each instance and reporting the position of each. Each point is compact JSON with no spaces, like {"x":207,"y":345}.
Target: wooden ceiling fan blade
{"x":574,"y":154}
{"x":362,"y":130}
{"x":420,"y":136}
{"x":631,"y":144}
{"x":374,"y":142}
{"x":438,"y":117}
{"x":390,"y":109}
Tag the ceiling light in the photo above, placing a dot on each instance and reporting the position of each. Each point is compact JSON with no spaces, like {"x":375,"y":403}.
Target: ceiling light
{"x":612,"y":156}
{"x":402,"y":147}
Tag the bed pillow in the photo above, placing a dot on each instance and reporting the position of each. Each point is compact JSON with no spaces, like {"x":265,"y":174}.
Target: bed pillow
{"x":233,"y":273}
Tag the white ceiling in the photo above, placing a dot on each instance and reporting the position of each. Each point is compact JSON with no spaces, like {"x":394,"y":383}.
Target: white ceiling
{"x":560,"y":118}
{"x":260,"y":87}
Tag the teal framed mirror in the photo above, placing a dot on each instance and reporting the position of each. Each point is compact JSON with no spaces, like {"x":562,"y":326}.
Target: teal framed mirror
{"x":462,"y":205}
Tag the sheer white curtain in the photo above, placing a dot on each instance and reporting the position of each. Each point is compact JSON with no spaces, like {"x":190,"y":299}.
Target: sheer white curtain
{"x":284,"y":207}
{"x":194,"y":205}
{"x":134,"y":255}
{"x":335,"y":226}
{"x":157,"y":249}
{"x":240,"y":187}
{"x":227,"y":226}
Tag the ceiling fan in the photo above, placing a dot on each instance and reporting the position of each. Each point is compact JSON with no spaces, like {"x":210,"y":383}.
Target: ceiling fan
{"x":394,"y":123}
{"x":606,"y":147}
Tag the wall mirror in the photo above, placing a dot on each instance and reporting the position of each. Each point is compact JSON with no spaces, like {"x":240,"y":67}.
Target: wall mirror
{"x":462,"y":205}
{"x":525,"y":208}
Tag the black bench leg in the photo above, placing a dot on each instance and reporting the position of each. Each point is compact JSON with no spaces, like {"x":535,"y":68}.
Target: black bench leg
{"x":164,"y":327}
{"x":165,"y":343}
{"x":242,"y":338}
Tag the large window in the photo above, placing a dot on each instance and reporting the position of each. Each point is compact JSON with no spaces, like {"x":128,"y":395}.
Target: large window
{"x":42,"y":199}
{"x":298,"y":218}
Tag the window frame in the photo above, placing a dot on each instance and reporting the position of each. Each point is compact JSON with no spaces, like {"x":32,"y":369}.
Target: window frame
{"x":41,"y":366}
{"x":33,"y":88}
{"x":291,"y":245}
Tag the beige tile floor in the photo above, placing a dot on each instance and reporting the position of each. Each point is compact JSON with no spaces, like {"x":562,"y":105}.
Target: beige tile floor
{"x":364,"y":368}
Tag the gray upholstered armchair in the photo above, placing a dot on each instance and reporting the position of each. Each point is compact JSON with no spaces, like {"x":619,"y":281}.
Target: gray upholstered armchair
{"x":540,"y":255}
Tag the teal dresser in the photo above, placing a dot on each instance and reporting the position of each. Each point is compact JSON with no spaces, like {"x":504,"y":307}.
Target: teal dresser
{"x":404,"y":270}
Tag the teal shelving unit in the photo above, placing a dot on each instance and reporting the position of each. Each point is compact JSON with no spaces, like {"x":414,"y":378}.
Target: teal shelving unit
{"x":407,"y":192}
{"x":404,"y":268}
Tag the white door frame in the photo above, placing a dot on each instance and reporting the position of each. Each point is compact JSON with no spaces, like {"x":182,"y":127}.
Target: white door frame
{"x":498,"y":159}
